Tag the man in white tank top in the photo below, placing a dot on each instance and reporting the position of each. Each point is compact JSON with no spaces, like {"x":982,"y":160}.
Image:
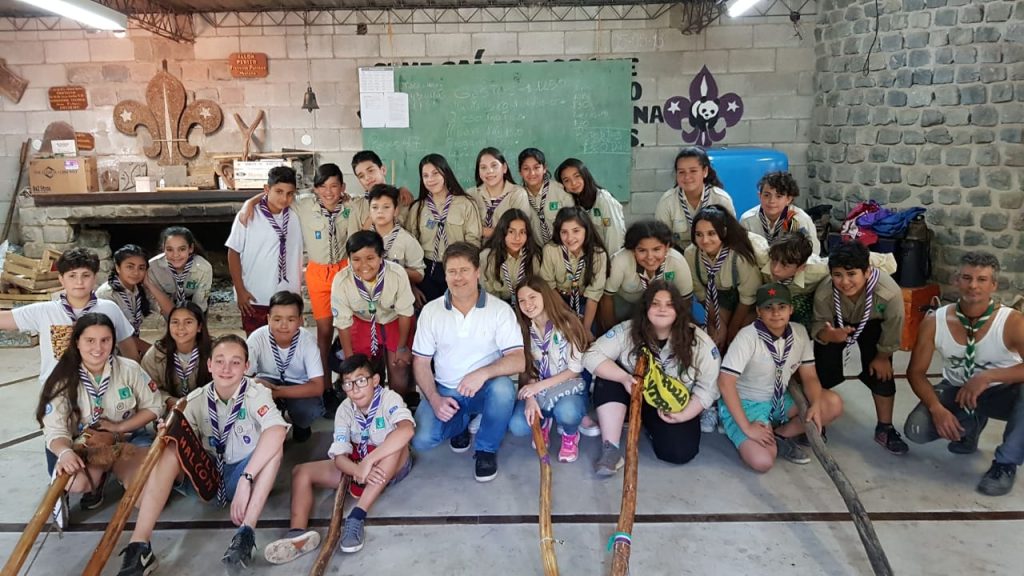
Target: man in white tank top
{"x":981,"y":344}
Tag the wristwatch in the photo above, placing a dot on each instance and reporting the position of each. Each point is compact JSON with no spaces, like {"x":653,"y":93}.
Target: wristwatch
{"x":248,"y":477}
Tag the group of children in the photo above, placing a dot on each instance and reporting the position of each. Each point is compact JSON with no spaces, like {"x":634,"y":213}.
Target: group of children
{"x":415,"y":304}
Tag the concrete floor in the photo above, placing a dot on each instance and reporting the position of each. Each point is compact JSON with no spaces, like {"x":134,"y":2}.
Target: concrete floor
{"x":712,"y":516}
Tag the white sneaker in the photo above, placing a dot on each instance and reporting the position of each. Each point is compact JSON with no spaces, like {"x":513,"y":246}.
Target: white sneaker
{"x":287,"y":549}
{"x":709,"y":420}
{"x":589,"y":427}
{"x":474,"y":424}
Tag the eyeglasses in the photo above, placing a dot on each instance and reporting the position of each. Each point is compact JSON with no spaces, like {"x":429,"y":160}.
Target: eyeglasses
{"x":360,"y":383}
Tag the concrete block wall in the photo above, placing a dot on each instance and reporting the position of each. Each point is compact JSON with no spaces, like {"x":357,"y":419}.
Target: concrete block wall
{"x":937,"y":120}
{"x":760,"y":58}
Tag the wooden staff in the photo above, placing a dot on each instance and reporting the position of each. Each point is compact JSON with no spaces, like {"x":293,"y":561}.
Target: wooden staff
{"x":334,"y":532}
{"x":124,"y":508}
{"x":622,"y":539}
{"x":547,"y":542}
{"x":876,"y":555}
{"x":35,"y":525}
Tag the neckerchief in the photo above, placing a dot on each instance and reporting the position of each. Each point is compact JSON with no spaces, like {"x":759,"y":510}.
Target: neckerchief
{"x":574,"y":276}
{"x":491,"y":205}
{"x":772,"y":231}
{"x":542,"y":343}
{"x":282,"y":364}
{"x":705,"y":201}
{"x":334,"y":250}
{"x":538,"y":205}
{"x":372,"y":301}
{"x":440,"y":221}
{"x":282,"y":237}
{"x":180,"y":279}
{"x":642,"y":274}
{"x":184,"y":372}
{"x":972,"y":328}
{"x":713,"y":269}
{"x":869,"y":300}
{"x":364,"y":421}
{"x":778,"y":411}
{"x":96,"y":390}
{"x":71,"y":311}
{"x":133,"y":302}
{"x":219,"y":440}
{"x":506,"y":276}
{"x":389,"y":241}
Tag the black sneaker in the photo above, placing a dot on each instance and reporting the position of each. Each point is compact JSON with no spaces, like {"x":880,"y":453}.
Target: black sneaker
{"x":968,"y":443}
{"x":486,"y":466}
{"x":998,"y":480}
{"x":460,"y":443}
{"x":803,"y":442}
{"x":300,"y":434}
{"x":239,"y":553}
{"x":139,"y":560}
{"x":93,"y":500}
{"x":890,"y":439}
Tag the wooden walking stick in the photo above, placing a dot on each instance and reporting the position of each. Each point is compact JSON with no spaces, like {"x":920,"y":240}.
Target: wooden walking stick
{"x":547,"y":541}
{"x":124,"y":508}
{"x":334,"y":532}
{"x":876,"y":555}
{"x":35,"y":525}
{"x":622,"y":541}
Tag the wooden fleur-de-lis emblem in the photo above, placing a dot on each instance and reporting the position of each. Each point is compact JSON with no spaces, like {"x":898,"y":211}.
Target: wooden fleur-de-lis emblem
{"x":168,"y":119}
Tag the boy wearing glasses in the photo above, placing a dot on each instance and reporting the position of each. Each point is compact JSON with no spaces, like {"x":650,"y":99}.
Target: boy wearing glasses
{"x":372,"y":430}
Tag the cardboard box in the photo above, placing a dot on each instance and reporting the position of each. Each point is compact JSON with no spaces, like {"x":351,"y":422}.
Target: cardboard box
{"x":253,"y":175}
{"x":63,"y":175}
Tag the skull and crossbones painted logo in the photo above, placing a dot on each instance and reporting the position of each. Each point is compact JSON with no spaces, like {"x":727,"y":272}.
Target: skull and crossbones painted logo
{"x":707,"y":113}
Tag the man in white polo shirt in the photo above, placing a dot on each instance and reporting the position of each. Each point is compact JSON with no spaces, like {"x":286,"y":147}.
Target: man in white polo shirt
{"x":475,"y":344}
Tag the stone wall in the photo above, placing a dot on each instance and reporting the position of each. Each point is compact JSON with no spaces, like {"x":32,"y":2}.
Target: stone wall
{"x":761,"y":58}
{"x":936,"y":121}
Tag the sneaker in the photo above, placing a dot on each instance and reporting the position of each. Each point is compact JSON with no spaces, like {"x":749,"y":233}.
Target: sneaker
{"x":139,"y":560}
{"x":790,"y":450}
{"x":474,"y":423}
{"x":460,"y":443}
{"x":803,"y":442}
{"x":239,"y":553}
{"x":93,"y":500}
{"x":300,"y":434}
{"x":998,"y":480}
{"x":709,"y":420}
{"x":570,"y":449}
{"x":486,"y":466}
{"x":589,"y":427}
{"x":890,"y":439}
{"x":352,"y":535}
{"x":967,"y":444}
{"x":610,"y":461}
{"x":295,"y":543}
{"x":545,"y":430}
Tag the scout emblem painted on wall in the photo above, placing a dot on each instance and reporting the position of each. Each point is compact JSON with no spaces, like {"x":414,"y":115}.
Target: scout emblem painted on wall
{"x":705,"y":111}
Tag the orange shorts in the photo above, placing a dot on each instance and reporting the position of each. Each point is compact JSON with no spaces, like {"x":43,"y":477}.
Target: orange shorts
{"x":318,"y":281}
{"x":388,"y":334}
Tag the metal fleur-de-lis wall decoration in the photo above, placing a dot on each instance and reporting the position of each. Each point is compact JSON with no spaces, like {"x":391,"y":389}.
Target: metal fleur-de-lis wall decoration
{"x":168,"y":119}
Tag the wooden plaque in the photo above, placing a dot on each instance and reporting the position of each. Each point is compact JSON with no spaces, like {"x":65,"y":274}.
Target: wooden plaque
{"x":68,"y":98}
{"x":85,"y":141}
{"x":248,"y":65}
{"x":11,"y":85}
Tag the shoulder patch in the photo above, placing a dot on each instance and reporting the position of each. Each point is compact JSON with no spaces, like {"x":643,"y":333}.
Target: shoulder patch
{"x":124,"y":393}
{"x":880,"y":307}
{"x":670,"y":275}
{"x":392,"y":410}
{"x":263,"y":410}
{"x":152,"y":385}
{"x":49,"y":408}
{"x":715,"y":353}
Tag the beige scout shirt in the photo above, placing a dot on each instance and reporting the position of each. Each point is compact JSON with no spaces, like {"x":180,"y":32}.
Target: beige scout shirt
{"x":887,"y":306}
{"x":802,"y":224}
{"x":404,"y":250}
{"x":671,"y":212}
{"x":514,"y":197}
{"x":258,"y":413}
{"x":315,"y":234}
{"x":624,"y":280}
{"x":494,"y":281}
{"x":547,"y":203}
{"x":107,"y":292}
{"x":816,"y":270}
{"x":608,"y":221}
{"x":130,"y":390}
{"x":391,"y":411}
{"x":396,"y":298}
{"x":359,"y":219}
{"x":197,"y":285}
{"x":736,"y":272}
{"x":552,"y":271}
{"x":154,"y":362}
{"x":701,"y":378}
{"x":463,"y":225}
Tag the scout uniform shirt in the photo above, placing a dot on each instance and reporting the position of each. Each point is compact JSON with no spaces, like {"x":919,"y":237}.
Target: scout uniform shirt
{"x":396,"y":298}
{"x":701,"y":378}
{"x":887,"y":306}
{"x":461,"y":225}
{"x":359,"y":219}
{"x":624,"y":278}
{"x":736,"y":273}
{"x":750,"y":361}
{"x":403,"y":249}
{"x":258,"y":413}
{"x":154,"y":362}
{"x":512,"y":196}
{"x":670,"y":211}
{"x":347,"y":431}
{"x":107,"y":292}
{"x":816,"y":270}
{"x":551,"y":198}
{"x":799,"y":222}
{"x":608,"y":221}
{"x":316,"y":237}
{"x":197,"y":285}
{"x":129,"y":391}
{"x":552,"y":270}
{"x":494,"y":280}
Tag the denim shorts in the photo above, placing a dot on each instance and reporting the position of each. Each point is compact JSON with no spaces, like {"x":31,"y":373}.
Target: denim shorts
{"x":232,"y":473}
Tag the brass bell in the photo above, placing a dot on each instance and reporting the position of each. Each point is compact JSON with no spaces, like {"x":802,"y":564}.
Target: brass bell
{"x":309,"y":100}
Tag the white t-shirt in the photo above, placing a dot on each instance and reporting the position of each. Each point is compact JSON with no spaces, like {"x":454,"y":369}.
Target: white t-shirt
{"x":257,"y":247}
{"x":305,"y":365}
{"x":750,"y":361}
{"x":51,"y":322}
{"x":460,"y":344}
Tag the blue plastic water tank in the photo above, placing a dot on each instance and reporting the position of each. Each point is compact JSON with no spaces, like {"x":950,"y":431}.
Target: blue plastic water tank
{"x":741,"y":168}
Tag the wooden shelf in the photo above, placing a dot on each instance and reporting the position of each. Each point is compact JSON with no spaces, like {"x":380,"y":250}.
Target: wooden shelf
{"x":175,"y":197}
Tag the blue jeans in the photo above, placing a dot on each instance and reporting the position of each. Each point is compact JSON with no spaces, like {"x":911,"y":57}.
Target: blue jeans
{"x":495,"y":401}
{"x":303,"y":411}
{"x":568,"y":413}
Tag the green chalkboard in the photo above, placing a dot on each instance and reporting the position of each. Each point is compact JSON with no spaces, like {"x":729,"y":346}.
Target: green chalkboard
{"x":567,"y":109}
